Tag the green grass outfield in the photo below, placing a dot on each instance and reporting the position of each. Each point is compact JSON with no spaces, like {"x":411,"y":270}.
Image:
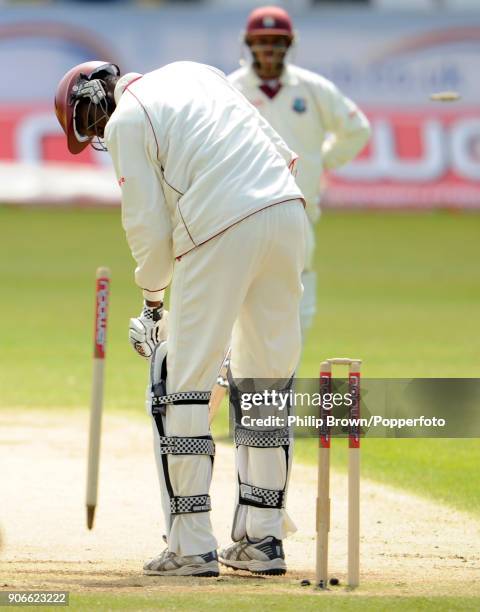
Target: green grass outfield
{"x":283,"y":602}
{"x":401,"y":291}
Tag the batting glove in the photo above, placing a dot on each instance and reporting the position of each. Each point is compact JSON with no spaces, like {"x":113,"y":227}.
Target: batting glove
{"x":147,"y":330}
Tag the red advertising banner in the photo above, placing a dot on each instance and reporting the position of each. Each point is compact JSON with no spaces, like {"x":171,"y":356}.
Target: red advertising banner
{"x":417,"y":158}
{"x":426,"y":157}
{"x":31,"y":133}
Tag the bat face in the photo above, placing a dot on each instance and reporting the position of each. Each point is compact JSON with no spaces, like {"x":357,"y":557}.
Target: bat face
{"x":219,"y":390}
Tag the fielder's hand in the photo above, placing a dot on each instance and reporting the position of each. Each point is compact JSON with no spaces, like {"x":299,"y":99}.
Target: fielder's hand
{"x":147,"y":330}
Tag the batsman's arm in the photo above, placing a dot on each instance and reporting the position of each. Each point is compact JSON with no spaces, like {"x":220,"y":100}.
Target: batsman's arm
{"x":145,"y":216}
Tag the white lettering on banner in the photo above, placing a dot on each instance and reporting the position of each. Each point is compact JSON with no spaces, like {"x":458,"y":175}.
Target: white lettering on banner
{"x":456,"y":146}
{"x":466,"y":149}
{"x":29,"y":135}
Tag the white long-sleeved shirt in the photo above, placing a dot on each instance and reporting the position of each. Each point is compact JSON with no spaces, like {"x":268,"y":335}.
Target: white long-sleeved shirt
{"x":315,"y":119}
{"x":192,"y":158}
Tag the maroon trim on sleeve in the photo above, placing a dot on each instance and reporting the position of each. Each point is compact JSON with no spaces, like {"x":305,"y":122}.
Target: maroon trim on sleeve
{"x":186,"y":226}
{"x":132,"y":81}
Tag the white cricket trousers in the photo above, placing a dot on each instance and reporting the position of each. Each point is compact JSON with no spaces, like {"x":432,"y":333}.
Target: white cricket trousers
{"x":242,"y":286}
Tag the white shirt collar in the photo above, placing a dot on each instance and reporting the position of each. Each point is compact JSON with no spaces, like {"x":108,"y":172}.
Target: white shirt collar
{"x":122,"y":84}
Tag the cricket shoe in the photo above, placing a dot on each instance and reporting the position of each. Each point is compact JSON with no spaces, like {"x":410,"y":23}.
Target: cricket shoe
{"x":259,"y":557}
{"x":170,"y":564}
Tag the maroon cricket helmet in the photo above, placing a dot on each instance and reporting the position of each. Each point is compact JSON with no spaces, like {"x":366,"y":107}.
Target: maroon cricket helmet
{"x":269,"y":20}
{"x":65,"y":99}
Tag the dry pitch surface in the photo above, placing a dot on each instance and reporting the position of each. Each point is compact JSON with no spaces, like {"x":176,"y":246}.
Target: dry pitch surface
{"x":409,"y":546}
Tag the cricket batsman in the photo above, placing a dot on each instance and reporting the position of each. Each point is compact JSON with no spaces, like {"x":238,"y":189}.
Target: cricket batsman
{"x":211,"y":209}
{"x":324,"y":127}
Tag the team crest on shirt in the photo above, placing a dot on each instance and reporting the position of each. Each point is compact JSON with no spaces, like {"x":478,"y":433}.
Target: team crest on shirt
{"x":299,"y":105}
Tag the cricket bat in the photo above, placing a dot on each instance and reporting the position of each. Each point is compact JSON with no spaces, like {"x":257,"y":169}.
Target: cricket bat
{"x":219,"y":390}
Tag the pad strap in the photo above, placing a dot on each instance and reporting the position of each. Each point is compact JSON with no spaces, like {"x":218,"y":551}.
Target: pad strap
{"x":174,"y":445}
{"x":160,"y":398}
{"x":260,"y":498}
{"x":189,"y":504}
{"x":262,"y":439}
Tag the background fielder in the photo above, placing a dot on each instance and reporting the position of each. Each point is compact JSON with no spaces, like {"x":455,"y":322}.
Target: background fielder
{"x":325,"y":128}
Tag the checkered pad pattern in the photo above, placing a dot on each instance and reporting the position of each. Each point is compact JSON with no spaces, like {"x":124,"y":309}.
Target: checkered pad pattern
{"x":190,"y":503}
{"x":262,"y":439}
{"x":152,"y":314}
{"x":202,"y":397}
{"x":263,"y":498}
{"x":174,"y":445}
